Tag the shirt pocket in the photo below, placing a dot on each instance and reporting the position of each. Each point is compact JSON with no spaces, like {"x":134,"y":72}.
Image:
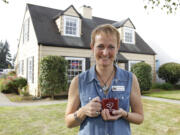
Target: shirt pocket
{"x":87,"y":98}
{"x":123,"y":98}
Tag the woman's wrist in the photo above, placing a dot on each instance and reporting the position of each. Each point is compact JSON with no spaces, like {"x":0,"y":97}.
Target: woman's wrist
{"x":79,"y":115}
{"x":126,"y":114}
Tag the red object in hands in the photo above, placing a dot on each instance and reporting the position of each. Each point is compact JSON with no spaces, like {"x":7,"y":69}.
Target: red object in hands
{"x":110,"y":104}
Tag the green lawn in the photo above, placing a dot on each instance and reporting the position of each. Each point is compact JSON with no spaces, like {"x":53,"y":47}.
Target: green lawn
{"x":160,"y":119}
{"x":169,"y":94}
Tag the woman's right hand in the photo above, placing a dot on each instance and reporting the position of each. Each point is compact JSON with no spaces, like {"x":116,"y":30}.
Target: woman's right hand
{"x":93,"y":108}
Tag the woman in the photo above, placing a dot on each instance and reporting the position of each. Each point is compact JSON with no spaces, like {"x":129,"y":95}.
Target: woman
{"x":104,"y":80}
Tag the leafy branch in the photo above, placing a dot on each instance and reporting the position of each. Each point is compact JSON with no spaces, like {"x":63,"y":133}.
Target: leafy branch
{"x":169,"y":6}
{"x":5,"y":1}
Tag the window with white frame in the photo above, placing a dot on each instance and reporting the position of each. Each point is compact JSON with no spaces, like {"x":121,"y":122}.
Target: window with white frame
{"x":75,"y":67}
{"x":71,"y":26}
{"x":26,"y":30}
{"x":129,"y":35}
{"x":131,"y":63}
{"x":30,"y":69}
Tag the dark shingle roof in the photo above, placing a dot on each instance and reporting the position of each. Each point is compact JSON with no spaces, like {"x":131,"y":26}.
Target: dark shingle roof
{"x":121,"y":58}
{"x":48,"y":35}
{"x":121,"y":23}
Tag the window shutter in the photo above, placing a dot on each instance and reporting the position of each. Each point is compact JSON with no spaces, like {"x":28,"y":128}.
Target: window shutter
{"x":27,"y":69}
{"x":88,"y":63}
{"x":33,"y":69}
{"x":23,"y":67}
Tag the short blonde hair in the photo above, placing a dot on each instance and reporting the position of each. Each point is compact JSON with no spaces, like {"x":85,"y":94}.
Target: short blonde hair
{"x":108,"y":30}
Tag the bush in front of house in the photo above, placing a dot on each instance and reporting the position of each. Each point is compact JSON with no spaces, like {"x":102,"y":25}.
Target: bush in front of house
{"x":53,"y":75}
{"x":143,"y":73}
{"x":156,"y":85}
{"x":11,"y":84}
{"x":165,"y":86}
{"x":8,"y":84}
{"x":21,"y":82}
{"x":170,"y":72}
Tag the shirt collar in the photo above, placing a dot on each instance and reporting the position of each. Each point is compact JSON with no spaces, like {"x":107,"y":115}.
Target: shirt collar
{"x":119,"y":76}
{"x":92,"y":74}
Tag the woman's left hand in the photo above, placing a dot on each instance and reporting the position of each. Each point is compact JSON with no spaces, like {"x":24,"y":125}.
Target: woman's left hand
{"x":116,"y":114}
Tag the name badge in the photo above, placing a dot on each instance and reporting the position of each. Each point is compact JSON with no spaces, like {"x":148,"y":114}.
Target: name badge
{"x":118,"y":88}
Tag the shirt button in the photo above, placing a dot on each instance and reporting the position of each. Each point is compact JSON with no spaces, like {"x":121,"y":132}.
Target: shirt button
{"x":100,"y":90}
{"x":122,"y":97}
{"x":89,"y":98}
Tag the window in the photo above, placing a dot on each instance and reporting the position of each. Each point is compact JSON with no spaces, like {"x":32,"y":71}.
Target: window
{"x":129,"y":35}
{"x":30,"y":69}
{"x":26,"y":30}
{"x":157,"y":65}
{"x":131,"y":63}
{"x":71,"y":26}
{"x":75,"y":67}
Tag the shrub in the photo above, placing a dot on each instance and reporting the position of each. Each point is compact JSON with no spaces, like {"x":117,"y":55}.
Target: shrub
{"x":24,"y":91}
{"x":167,"y":86}
{"x":170,"y":72}
{"x":156,"y":86}
{"x":2,"y":84}
{"x":143,"y":74}
{"x":53,"y":75}
{"x":11,"y":84}
{"x":20,"y":82}
{"x":12,"y":73}
{"x":177,"y":86}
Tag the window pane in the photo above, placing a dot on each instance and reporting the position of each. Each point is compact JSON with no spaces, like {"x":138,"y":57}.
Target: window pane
{"x":71,"y":26}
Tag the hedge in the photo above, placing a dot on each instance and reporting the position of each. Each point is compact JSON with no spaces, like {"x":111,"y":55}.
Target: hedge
{"x":143,"y":73}
{"x":53,"y":75}
{"x":170,"y":72}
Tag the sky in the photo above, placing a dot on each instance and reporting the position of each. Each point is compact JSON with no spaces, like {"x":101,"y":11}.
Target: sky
{"x":159,"y":30}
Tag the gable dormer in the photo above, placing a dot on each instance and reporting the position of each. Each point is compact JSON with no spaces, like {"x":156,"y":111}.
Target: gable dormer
{"x":127,"y":31}
{"x":69,"y":22}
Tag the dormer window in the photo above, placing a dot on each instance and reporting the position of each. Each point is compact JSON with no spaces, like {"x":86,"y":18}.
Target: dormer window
{"x":129,"y":37}
{"x":71,"y":26}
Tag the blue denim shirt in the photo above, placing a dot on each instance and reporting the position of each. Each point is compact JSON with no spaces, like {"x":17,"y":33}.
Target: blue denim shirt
{"x":89,"y":87}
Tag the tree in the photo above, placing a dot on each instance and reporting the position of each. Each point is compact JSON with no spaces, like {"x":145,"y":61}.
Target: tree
{"x":169,"y":6}
{"x":5,"y":56}
{"x":5,"y":1}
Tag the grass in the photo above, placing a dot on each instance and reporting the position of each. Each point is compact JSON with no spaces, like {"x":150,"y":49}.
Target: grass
{"x":34,"y":120}
{"x":160,"y":119}
{"x":18,"y":98}
{"x":169,"y":94}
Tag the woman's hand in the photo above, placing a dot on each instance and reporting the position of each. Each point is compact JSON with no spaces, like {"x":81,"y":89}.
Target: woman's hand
{"x":93,"y":108}
{"x":116,"y":114}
